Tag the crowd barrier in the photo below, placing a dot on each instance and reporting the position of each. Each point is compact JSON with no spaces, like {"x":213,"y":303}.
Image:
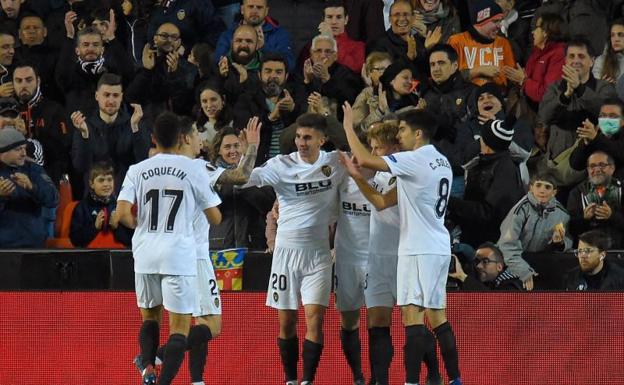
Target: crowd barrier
{"x":81,"y":269}
{"x":75,"y":338}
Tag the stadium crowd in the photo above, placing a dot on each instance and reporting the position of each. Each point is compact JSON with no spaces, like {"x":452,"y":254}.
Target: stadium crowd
{"x":529,"y":97}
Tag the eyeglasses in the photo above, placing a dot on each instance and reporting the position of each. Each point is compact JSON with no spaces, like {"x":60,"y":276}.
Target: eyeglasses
{"x":584,"y":252}
{"x":483,"y":261}
{"x":166,"y":36}
{"x":378,"y":69}
{"x":595,"y":166}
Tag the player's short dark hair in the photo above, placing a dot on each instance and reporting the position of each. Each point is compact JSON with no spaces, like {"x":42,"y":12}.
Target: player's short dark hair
{"x":420,"y":120}
{"x":273,"y":56}
{"x":109,"y":79}
{"x":580,"y":41}
{"x":447,"y":49}
{"x":27,"y":64}
{"x":186,"y":125}
{"x":614,"y":102}
{"x":90,"y":30}
{"x":100,"y":168}
{"x":167,"y":129}
{"x":496,"y":251}
{"x":545,"y":177}
{"x":596,"y":238}
{"x":385,"y":132}
{"x":312,"y":120}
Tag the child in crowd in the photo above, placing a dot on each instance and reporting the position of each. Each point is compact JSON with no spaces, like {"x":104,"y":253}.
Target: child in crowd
{"x":95,"y":223}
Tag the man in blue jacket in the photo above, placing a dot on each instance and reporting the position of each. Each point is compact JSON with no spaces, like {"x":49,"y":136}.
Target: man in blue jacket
{"x":25,"y":189}
{"x":276,"y":38}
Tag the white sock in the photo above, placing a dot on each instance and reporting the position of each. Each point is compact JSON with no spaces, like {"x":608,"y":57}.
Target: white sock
{"x":198,"y":383}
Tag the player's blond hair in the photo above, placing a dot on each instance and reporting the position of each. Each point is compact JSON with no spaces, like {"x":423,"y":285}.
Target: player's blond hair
{"x":384,"y":132}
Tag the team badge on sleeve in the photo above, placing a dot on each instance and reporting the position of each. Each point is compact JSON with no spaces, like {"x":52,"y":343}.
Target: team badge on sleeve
{"x":326,"y":170}
{"x":275,"y":296}
{"x":392,"y":181}
{"x":217,"y":302}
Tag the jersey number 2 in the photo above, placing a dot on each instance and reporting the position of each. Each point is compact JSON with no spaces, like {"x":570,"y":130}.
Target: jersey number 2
{"x":153,"y":196}
{"x":443,"y":195}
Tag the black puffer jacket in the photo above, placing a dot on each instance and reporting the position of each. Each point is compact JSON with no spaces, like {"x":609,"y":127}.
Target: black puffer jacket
{"x":493,"y":186}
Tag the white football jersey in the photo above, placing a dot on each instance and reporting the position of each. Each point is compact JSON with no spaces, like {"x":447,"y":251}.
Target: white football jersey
{"x":352,"y":228}
{"x":307,"y":193}
{"x":424,"y":185}
{"x":201,"y":225}
{"x":385,"y":224}
{"x":168,"y":190}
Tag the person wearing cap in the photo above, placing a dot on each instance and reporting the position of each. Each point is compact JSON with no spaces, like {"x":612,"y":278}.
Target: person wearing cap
{"x":493,"y":186}
{"x":482,"y":52}
{"x":25,"y":189}
{"x":594,"y":271}
{"x":537,"y":223}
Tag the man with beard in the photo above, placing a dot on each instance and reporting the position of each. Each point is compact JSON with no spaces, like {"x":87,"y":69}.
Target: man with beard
{"x":35,"y":49}
{"x":44,"y":120}
{"x":272,"y":103}
{"x":323,"y":74}
{"x":594,"y":271}
{"x":110,"y":134}
{"x":491,"y":271}
{"x":596,"y":203}
{"x":276,"y":39}
{"x":81,"y":62}
{"x":166,"y":77}
{"x":240,"y":67}
{"x":7,"y":52}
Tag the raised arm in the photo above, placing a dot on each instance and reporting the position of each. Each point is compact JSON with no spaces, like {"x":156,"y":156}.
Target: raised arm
{"x":377,"y":199}
{"x":250,"y":138}
{"x":364,"y":158}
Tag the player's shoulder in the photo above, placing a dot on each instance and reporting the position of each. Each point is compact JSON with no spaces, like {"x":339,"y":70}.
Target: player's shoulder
{"x":283,"y":161}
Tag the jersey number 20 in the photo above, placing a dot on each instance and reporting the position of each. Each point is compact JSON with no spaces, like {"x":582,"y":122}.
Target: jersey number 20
{"x":153,"y":196}
{"x":443,"y":195}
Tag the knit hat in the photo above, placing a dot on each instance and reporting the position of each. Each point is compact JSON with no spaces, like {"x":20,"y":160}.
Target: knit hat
{"x":9,"y":106}
{"x":482,"y":11}
{"x":10,"y":138}
{"x":489,"y":88}
{"x":496,"y":135}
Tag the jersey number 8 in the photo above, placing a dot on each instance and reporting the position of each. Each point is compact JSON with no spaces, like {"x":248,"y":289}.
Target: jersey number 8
{"x":443,"y":196}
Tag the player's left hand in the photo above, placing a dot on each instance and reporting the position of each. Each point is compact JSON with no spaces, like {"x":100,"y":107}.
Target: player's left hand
{"x":252,"y":132}
{"x":22,"y":180}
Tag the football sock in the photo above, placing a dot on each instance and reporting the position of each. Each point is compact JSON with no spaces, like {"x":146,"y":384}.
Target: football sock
{"x":351,"y":347}
{"x":289,"y":353}
{"x":418,"y":340}
{"x":382,"y":352}
{"x":149,"y":336}
{"x":448,"y":348}
{"x":174,"y":354}
{"x":198,"y":338}
{"x":311,"y":356}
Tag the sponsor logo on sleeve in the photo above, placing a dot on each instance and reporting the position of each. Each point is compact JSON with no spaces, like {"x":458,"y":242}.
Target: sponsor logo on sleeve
{"x":392,"y":158}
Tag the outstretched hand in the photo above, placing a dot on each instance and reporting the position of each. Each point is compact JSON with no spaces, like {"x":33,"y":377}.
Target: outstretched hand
{"x":350,"y":165}
{"x":252,"y":131}
{"x":347,"y":119}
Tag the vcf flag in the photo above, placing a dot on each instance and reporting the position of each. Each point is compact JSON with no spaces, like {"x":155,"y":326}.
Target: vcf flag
{"x":228,"y":265}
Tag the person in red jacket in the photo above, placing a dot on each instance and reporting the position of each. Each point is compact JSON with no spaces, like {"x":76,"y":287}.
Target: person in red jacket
{"x":350,"y":52}
{"x":545,"y":62}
